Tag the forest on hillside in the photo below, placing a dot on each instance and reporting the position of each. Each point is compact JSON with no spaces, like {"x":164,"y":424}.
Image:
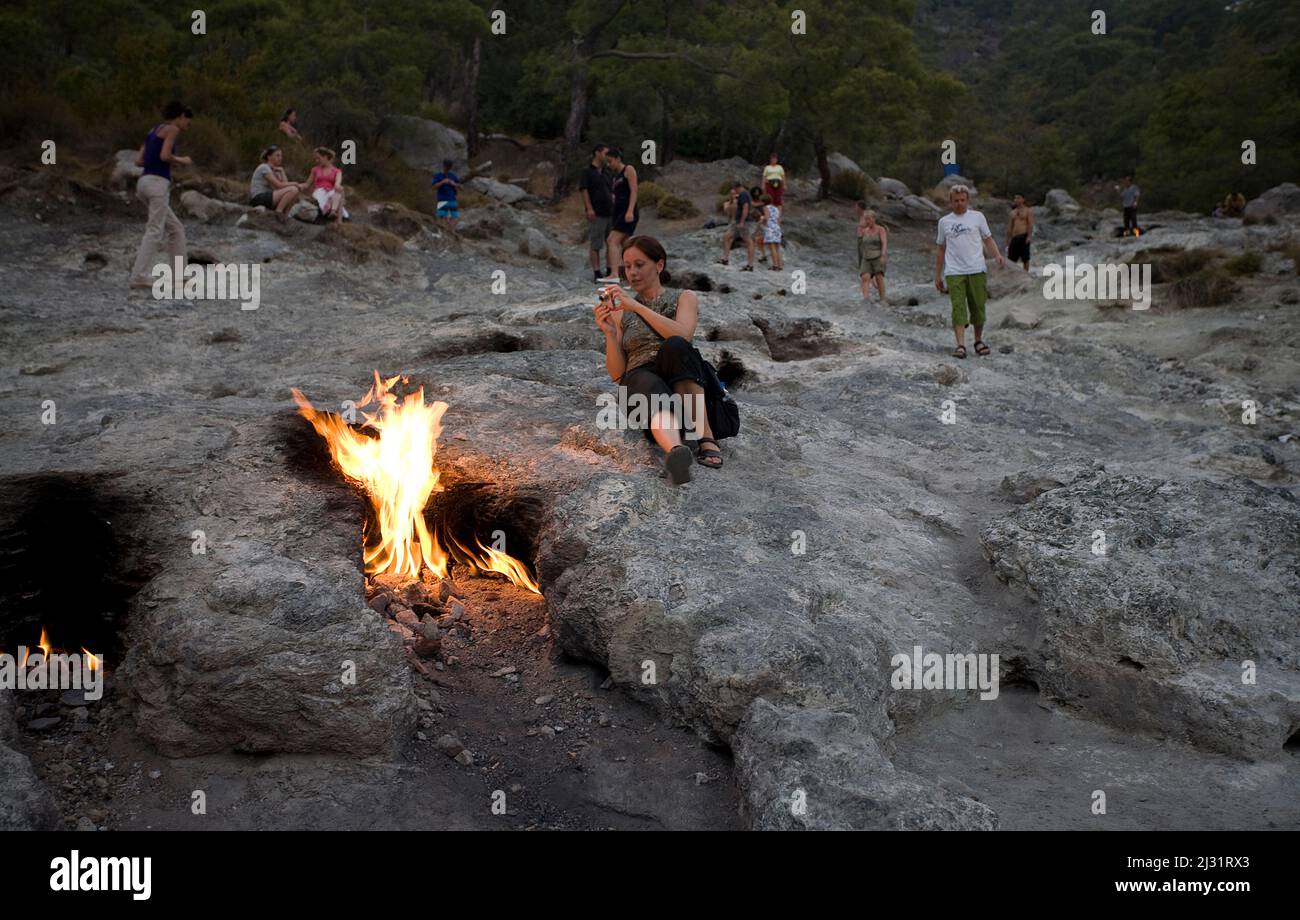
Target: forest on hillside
{"x":1031,"y":95}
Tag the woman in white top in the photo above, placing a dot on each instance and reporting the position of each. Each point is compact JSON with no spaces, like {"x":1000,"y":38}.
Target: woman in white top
{"x":772,"y":232}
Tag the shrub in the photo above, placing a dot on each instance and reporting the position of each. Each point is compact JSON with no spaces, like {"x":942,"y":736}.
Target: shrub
{"x":1290,"y":249}
{"x":675,"y":207}
{"x":725,"y":188}
{"x":853,"y":185}
{"x":1248,"y":263}
{"x":1169,"y":264}
{"x":1209,"y":287}
{"x":648,"y":194}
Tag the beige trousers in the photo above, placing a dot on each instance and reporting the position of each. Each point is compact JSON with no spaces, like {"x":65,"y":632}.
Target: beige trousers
{"x":155,"y":192}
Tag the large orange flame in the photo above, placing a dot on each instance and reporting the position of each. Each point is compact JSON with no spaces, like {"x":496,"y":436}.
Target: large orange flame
{"x":397,"y":470}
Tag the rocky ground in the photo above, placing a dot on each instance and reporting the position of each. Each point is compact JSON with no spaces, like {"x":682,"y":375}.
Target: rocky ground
{"x":769,"y":700}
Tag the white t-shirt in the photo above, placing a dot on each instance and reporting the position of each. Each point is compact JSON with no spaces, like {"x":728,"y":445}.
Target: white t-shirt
{"x":964,"y":235}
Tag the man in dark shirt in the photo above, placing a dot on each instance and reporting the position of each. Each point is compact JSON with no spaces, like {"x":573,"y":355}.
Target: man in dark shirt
{"x":737,"y":208}
{"x":598,"y":202}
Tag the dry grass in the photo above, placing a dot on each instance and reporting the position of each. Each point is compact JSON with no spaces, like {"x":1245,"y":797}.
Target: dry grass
{"x":1290,"y":248}
{"x":1170,"y":264}
{"x":1212,"y":286}
{"x":1248,"y":263}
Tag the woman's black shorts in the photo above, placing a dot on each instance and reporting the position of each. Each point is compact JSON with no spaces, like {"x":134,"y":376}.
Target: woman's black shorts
{"x":677,"y":360}
{"x":262,"y":200}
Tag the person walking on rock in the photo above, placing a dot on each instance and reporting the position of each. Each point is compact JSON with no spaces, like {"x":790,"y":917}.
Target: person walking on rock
{"x":1129,"y":195}
{"x":960,"y":270}
{"x":1020,"y":230}
{"x":626,"y":214}
{"x":738,"y":208}
{"x":873,"y":252}
{"x":157,"y":155}
{"x":597,"y":203}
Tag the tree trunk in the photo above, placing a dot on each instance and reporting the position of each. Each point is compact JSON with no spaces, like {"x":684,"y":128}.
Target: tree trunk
{"x":823,"y":167}
{"x":578,"y":101}
{"x":471,"y":97}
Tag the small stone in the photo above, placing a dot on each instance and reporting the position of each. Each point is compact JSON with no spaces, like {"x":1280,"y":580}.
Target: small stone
{"x":421,"y":736}
{"x":546,"y":731}
{"x":44,"y":724}
{"x":502,"y":672}
{"x":947,"y":375}
{"x":559,"y":729}
{"x":154,"y":774}
{"x":407,"y":618}
{"x":609,"y":682}
{"x":85,"y":824}
{"x":423,"y":610}
{"x":427,"y":648}
{"x":702,"y":778}
{"x":81,"y":714}
{"x":543,"y":700}
{"x":464,"y":758}
{"x":450,"y":745}
{"x":379,"y":603}
{"x":73,"y":698}
{"x":603,"y":720}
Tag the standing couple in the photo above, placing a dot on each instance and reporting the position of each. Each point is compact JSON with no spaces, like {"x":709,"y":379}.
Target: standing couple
{"x":609,"y":197}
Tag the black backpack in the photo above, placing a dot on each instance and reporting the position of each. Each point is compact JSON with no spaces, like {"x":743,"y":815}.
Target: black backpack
{"x":724,"y":414}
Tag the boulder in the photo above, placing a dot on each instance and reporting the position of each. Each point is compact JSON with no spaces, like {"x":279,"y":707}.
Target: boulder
{"x":501,"y":191}
{"x":1026,"y":485}
{"x":209,"y":210}
{"x":24,"y":803}
{"x":124,"y":172}
{"x":1060,"y":202}
{"x":892,"y":188}
{"x":816,"y":769}
{"x":1184,"y":623}
{"x":948,"y":182}
{"x":536,"y":244}
{"x":305,"y":210}
{"x":1285,"y":198}
{"x":918,"y":208}
{"x":423,"y":144}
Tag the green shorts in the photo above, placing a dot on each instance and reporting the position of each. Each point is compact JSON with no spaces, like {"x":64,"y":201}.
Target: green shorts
{"x":871,"y":266}
{"x":967,"y":291}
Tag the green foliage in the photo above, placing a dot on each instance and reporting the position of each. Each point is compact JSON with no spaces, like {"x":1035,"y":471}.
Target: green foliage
{"x":1248,"y":263}
{"x":675,"y":207}
{"x":853,"y":185}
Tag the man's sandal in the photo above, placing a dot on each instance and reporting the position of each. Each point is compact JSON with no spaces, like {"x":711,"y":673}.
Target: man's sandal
{"x":959,"y":351}
{"x":702,"y":456}
{"x":981,"y":349}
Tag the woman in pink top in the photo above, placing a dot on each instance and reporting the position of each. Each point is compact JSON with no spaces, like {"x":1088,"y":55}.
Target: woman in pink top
{"x":327,"y":185}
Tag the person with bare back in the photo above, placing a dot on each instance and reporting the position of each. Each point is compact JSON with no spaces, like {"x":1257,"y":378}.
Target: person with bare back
{"x":1020,"y":230}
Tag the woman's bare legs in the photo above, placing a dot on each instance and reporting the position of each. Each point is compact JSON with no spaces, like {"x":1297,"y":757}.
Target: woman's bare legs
{"x":666,"y":430}
{"x":880,"y":286}
{"x":614,"y":258}
{"x":284,"y":198}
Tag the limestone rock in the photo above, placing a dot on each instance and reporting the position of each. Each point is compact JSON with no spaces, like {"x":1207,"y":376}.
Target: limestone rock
{"x":423,"y":143}
{"x":892,"y":188}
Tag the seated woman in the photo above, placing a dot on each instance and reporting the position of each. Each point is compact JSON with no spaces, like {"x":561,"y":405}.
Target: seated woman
{"x":327,"y":185}
{"x":648,"y":350}
{"x":270,"y":188}
{"x":287,"y":125}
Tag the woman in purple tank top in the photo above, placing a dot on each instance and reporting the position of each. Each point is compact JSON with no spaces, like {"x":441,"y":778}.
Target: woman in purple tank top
{"x":156,"y":156}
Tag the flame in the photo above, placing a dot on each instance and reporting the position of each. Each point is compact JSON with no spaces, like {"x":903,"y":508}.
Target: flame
{"x":488,"y":559}
{"x":45,"y":645}
{"x":92,"y":660}
{"x":397,"y":470}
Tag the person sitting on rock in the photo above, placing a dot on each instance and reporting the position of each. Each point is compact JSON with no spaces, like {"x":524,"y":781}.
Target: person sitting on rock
{"x":270,"y":188}
{"x":287,"y":125}
{"x":648,"y":351}
{"x":327,"y":185}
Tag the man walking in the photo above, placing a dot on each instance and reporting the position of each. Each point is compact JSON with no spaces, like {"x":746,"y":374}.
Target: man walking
{"x":738,"y":208}
{"x":1129,"y":196}
{"x":1020,"y":230}
{"x":598,"y":202}
{"x":960,"y":270}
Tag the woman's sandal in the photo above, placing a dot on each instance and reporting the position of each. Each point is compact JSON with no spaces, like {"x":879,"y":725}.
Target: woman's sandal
{"x":959,"y":351}
{"x":678,"y":464}
{"x":702,"y":455}
{"x":981,"y":348}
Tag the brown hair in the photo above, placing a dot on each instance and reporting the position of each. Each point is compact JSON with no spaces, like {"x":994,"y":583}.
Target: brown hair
{"x":766,"y":199}
{"x":326,"y":153}
{"x":653,"y":250}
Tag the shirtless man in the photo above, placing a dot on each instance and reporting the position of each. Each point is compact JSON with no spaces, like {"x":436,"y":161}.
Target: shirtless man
{"x":1020,"y":229}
